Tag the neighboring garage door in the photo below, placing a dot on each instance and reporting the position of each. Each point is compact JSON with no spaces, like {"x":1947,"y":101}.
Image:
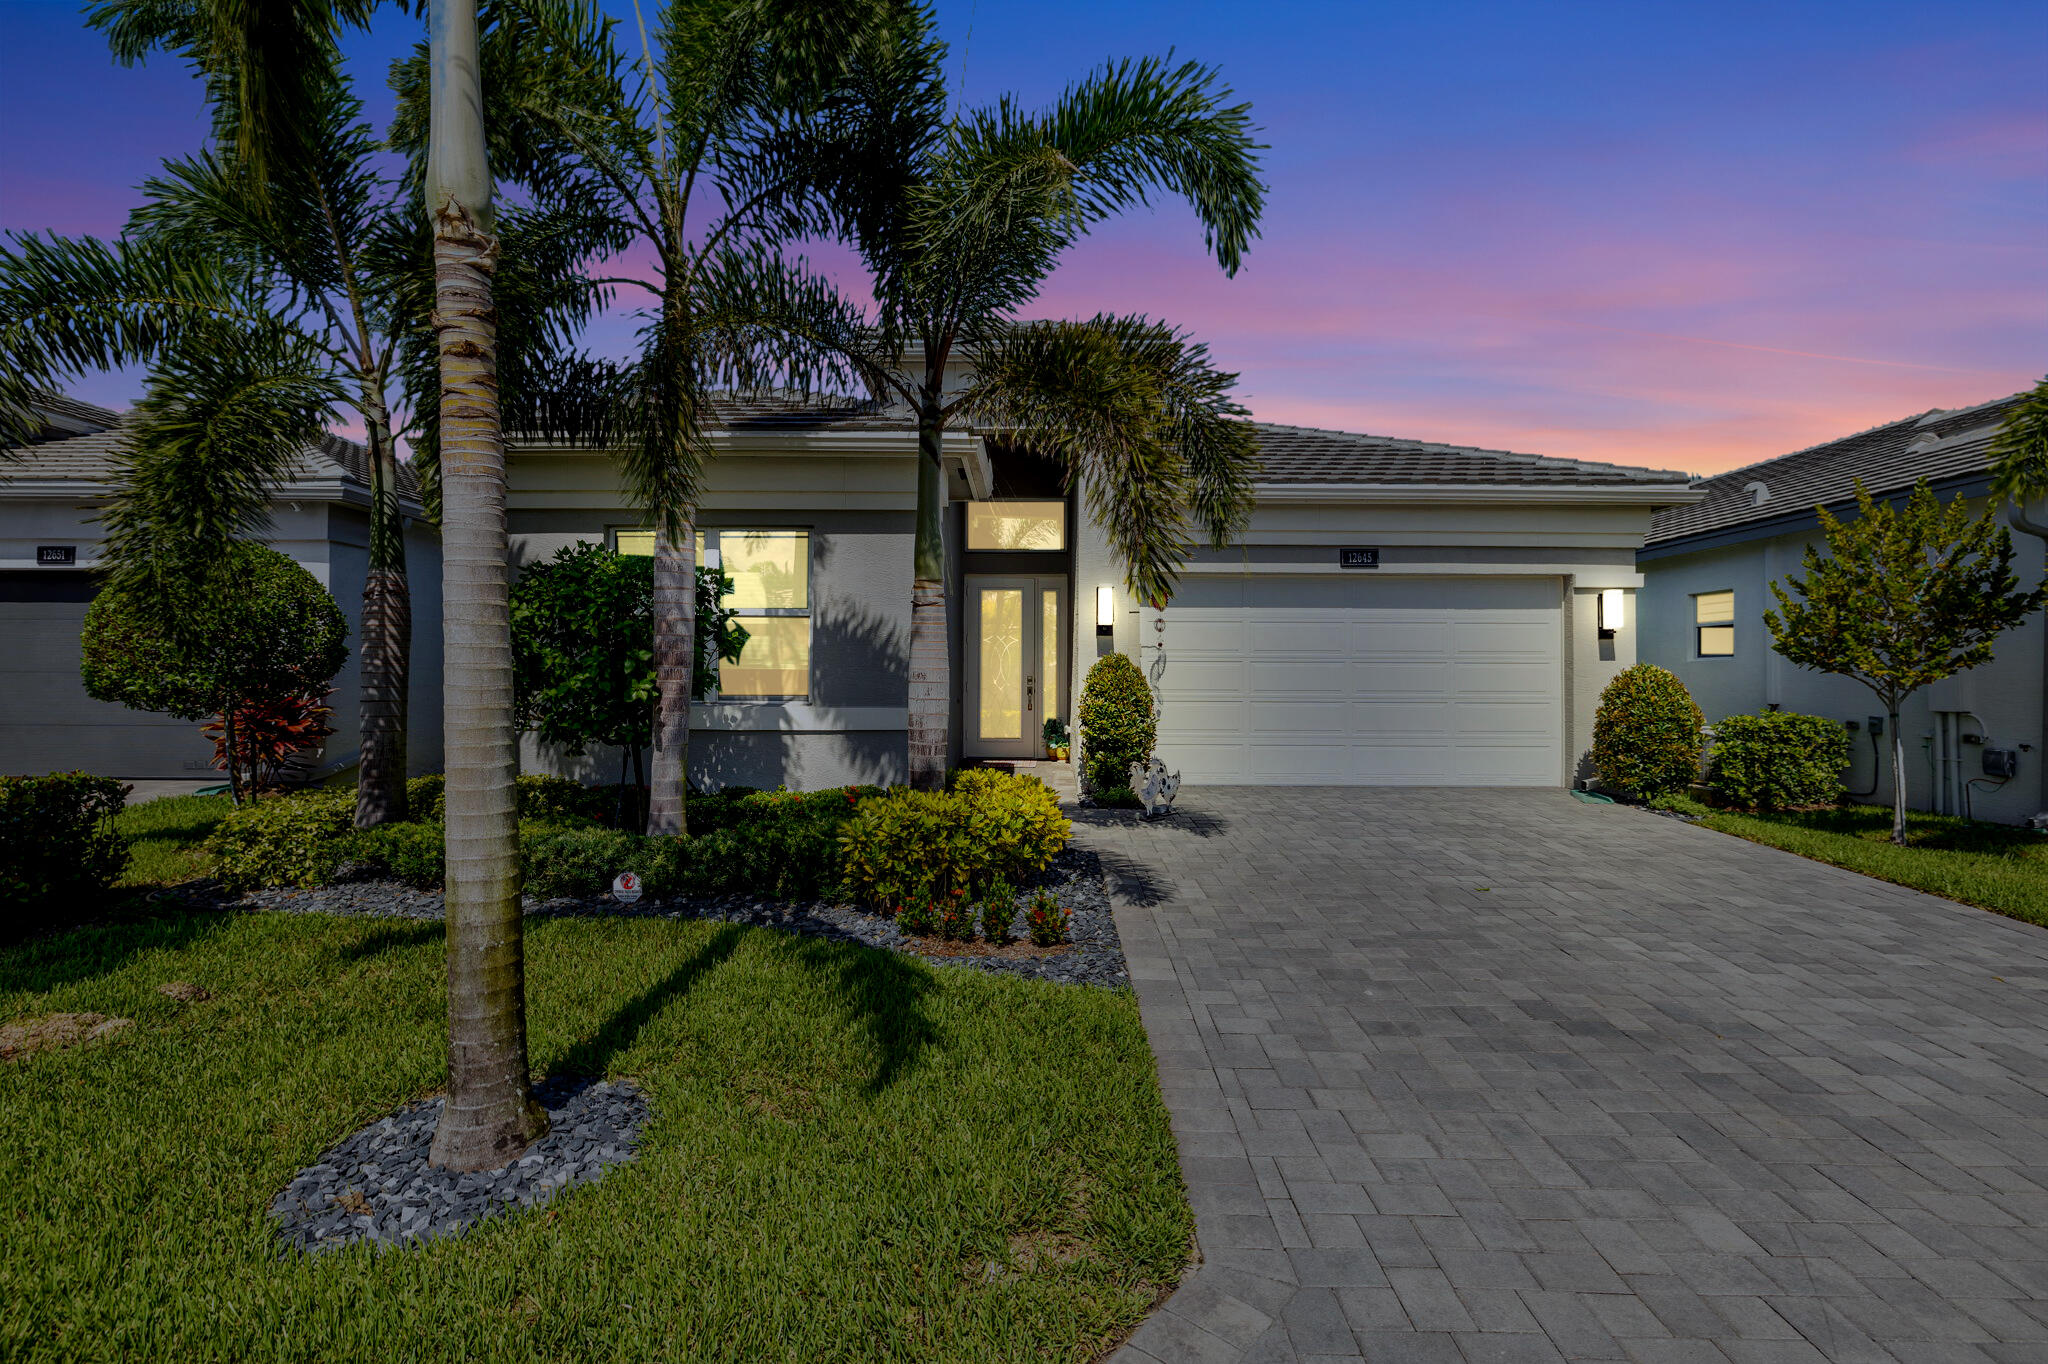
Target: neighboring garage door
{"x":1361,"y":681}
{"x":47,"y":722}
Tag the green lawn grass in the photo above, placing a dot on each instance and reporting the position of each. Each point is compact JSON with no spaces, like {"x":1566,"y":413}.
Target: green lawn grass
{"x":164,"y":837}
{"x":1993,"y":866}
{"x":853,"y":1155}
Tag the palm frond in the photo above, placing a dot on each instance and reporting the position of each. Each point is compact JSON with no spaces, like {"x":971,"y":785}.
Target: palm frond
{"x":226,"y":419}
{"x":2019,"y":452}
{"x":1138,"y":417}
{"x":72,"y":304}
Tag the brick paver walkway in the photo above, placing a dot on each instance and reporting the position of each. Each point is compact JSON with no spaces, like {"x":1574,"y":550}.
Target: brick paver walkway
{"x":1495,"y":1075}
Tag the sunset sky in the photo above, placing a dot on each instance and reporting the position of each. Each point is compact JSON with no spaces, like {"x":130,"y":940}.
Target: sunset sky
{"x":1682,"y":235}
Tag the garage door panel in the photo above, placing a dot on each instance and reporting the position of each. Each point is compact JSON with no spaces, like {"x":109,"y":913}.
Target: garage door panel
{"x":1364,"y":681}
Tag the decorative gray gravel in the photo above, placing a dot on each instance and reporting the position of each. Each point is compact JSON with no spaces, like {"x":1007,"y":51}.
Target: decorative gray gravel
{"x":1093,"y":956}
{"x":376,"y":1186}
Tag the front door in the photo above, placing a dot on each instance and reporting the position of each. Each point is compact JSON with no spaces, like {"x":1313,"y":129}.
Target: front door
{"x":1014,"y":664}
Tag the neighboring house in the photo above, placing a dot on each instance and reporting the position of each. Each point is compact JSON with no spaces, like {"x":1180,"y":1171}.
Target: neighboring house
{"x":1708,"y":565}
{"x":50,"y":495}
{"x":1398,"y":613}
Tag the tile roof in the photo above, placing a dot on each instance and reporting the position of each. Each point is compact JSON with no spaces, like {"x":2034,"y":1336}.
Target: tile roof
{"x":92,"y":458}
{"x":63,"y":417}
{"x":830,"y":412}
{"x":1937,"y":445}
{"x":1303,"y":454}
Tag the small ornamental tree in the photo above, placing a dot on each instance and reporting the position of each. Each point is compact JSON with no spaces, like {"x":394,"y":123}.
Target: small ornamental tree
{"x":583,"y":647}
{"x":1905,"y":597}
{"x":2019,"y":452}
{"x":250,"y":628}
{"x":1118,"y":725}
{"x":1646,"y":734}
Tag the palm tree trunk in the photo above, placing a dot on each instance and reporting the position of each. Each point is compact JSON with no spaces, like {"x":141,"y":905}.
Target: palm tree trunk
{"x":675,"y":638}
{"x":387,"y":633}
{"x":930,"y":655}
{"x":490,"y":1115}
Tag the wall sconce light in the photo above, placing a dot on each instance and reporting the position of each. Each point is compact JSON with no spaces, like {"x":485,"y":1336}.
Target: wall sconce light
{"x":1105,"y":611}
{"x":1611,"y":618}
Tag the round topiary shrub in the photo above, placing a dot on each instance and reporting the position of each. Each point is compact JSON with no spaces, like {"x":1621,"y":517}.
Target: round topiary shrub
{"x":1778,"y":759}
{"x":1646,"y":736}
{"x":1118,"y":725}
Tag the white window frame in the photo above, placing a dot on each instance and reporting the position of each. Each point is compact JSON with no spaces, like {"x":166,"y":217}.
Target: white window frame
{"x":1698,"y":625}
{"x":711,"y":555}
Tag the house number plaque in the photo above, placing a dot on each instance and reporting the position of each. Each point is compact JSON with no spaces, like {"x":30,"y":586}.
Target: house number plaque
{"x":1358,"y":558}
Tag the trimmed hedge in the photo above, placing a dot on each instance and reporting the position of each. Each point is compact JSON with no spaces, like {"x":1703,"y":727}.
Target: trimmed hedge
{"x":1646,"y":735}
{"x":1118,"y":723}
{"x":58,"y":848}
{"x":912,"y":845}
{"x":1778,"y":759}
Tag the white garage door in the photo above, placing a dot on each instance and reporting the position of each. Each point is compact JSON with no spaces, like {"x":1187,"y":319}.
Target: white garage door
{"x":1358,"y":681}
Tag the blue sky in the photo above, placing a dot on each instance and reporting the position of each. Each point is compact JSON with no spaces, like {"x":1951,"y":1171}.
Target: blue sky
{"x":1684,"y":235}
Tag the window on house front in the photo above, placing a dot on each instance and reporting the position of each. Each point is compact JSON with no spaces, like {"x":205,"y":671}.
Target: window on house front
{"x":771,"y":594}
{"x":1016,"y":525}
{"x":1713,"y":622}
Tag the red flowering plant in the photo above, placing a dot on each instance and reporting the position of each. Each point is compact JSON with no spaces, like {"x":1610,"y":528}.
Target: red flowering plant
{"x":1047,"y":919}
{"x":274,"y":741}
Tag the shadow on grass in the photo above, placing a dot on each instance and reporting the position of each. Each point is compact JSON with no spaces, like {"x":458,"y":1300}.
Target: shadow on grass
{"x":879,"y":990}
{"x":618,"y":1032}
{"x":1938,"y":833}
{"x":129,"y":926}
{"x":389,"y":936}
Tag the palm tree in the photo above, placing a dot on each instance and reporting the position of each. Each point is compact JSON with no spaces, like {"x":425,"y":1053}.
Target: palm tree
{"x":960,"y":220}
{"x":702,"y":151}
{"x":490,"y":1115}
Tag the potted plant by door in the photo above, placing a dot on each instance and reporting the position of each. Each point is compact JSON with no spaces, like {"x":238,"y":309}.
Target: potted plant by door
{"x":1056,"y":742}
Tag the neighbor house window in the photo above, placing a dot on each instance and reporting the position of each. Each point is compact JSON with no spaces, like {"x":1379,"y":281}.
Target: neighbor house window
{"x":1016,"y":525}
{"x":771,"y":592}
{"x":1713,"y":622}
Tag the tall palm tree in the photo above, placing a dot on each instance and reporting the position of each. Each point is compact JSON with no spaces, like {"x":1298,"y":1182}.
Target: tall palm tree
{"x":960,"y":219}
{"x":698,"y":148}
{"x":490,"y":1114}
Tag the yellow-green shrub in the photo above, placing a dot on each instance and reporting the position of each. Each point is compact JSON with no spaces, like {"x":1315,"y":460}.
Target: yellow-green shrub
{"x":1646,"y":735}
{"x":287,"y":841}
{"x":926,"y":844}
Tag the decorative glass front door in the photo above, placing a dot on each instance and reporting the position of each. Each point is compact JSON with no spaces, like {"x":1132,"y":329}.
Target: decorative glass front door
{"x":1015,"y":644}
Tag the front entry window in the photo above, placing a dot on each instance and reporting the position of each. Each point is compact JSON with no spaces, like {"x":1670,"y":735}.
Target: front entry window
{"x":1017,"y":525}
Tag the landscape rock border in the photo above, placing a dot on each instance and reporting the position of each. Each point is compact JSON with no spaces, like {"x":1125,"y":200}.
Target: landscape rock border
{"x":376,"y":1185}
{"x":1093,"y":956}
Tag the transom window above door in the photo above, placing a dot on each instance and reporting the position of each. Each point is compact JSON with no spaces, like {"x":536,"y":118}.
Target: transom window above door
{"x":1713,"y":617}
{"x":771,"y":595}
{"x":1017,"y":525}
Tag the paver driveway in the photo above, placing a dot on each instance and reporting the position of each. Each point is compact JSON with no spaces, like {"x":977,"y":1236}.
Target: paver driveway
{"x":1495,"y":1075}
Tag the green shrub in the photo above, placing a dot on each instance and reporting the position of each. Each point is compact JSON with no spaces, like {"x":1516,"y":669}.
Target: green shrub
{"x":991,"y":825}
{"x":1778,"y":759}
{"x":1646,"y":736}
{"x":413,"y":852}
{"x":58,"y":848}
{"x":294,"y":840}
{"x":1046,"y":919}
{"x":1117,"y":797}
{"x":426,"y":797}
{"x":956,"y":916}
{"x":582,"y":859}
{"x":918,"y":917}
{"x":998,"y":912}
{"x":1118,"y":725}
{"x":557,"y":800}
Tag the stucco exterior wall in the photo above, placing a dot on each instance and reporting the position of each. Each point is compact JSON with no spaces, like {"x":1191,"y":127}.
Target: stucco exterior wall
{"x":854,"y":727}
{"x":2002,"y":700}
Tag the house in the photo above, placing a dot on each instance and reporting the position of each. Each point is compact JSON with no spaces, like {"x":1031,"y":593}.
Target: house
{"x":1708,"y":565}
{"x":50,"y":495}
{"x":1399,"y":612}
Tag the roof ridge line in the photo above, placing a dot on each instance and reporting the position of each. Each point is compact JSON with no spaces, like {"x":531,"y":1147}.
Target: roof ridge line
{"x":1823,"y":444}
